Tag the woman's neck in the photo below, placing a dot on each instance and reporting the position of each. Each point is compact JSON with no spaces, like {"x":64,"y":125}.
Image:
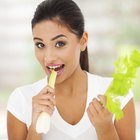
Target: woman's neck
{"x":73,"y":85}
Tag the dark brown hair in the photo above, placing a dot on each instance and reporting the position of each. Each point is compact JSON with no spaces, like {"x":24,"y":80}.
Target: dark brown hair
{"x":67,"y":13}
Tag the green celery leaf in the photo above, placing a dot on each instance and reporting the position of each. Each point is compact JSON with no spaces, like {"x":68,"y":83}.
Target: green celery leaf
{"x":125,"y":72}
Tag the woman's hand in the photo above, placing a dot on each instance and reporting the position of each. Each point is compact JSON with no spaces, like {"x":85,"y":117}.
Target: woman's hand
{"x":43,"y":102}
{"x":99,"y":115}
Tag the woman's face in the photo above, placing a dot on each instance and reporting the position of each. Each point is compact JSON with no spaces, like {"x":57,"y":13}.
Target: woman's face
{"x":57,"y":48}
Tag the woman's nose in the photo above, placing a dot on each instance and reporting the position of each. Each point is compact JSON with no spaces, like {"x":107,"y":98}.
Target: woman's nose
{"x":50,"y":55}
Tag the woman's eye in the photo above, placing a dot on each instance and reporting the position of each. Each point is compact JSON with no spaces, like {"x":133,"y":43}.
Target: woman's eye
{"x":60,"y":44}
{"x":40,"y":45}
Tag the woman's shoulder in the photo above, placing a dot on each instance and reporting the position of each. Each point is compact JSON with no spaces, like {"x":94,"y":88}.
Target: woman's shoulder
{"x":30,"y":90}
{"x":20,"y":100}
{"x":97,"y":84}
{"x":99,"y":79}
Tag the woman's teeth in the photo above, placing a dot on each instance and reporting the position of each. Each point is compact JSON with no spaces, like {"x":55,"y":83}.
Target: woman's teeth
{"x":56,"y":68}
{"x":53,"y":67}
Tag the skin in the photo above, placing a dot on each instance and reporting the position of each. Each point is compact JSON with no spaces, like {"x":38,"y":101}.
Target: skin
{"x":55,"y":44}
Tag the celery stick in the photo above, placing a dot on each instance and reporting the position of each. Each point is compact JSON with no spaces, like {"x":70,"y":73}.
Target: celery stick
{"x":52,"y":78}
{"x":43,"y":121}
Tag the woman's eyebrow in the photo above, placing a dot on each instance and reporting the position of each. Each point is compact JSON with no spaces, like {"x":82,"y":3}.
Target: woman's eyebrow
{"x":37,"y":38}
{"x":58,"y":36}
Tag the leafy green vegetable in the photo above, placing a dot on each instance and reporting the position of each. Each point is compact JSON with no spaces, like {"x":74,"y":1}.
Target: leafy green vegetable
{"x":125,"y":72}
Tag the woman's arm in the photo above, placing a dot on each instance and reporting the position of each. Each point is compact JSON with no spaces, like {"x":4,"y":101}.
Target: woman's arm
{"x":126,"y":127}
{"x":17,"y":130}
{"x":32,"y":134}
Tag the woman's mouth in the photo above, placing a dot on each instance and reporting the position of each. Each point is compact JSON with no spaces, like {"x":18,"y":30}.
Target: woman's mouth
{"x":57,"y":67}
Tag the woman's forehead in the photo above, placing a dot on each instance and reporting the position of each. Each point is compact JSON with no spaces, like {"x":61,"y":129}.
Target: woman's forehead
{"x":50,"y":26}
{"x":51,"y":29}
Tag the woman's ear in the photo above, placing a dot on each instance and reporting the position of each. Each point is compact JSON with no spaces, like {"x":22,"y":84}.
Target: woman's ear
{"x":84,"y":41}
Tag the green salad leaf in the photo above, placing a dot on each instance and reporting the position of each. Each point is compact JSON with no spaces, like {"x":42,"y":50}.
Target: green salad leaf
{"x":125,"y":72}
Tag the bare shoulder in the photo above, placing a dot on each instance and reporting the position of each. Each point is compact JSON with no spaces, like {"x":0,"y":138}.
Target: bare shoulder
{"x":126,"y":127}
{"x":17,"y":130}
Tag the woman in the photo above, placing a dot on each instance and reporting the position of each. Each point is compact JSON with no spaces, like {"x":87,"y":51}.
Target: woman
{"x":76,"y":113}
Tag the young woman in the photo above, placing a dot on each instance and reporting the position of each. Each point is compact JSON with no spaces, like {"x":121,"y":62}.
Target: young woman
{"x":76,"y":113}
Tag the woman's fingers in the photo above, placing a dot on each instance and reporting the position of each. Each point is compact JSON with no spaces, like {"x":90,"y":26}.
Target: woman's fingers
{"x":43,"y":105}
{"x":49,"y":97}
{"x":102,"y":99}
{"x":48,"y":103}
{"x":44,"y":108}
{"x":97,"y":105}
{"x":46,"y":90}
{"x":92,"y":109}
{"x":90,"y":114}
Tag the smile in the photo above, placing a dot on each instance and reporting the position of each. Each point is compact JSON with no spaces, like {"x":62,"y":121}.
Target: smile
{"x":57,"y":67}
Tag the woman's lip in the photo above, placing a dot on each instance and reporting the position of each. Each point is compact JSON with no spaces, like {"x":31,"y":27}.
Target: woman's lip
{"x":59,"y":72}
{"x":53,"y":65}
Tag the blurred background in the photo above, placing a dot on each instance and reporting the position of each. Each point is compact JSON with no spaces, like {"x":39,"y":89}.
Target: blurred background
{"x":112,"y":25}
